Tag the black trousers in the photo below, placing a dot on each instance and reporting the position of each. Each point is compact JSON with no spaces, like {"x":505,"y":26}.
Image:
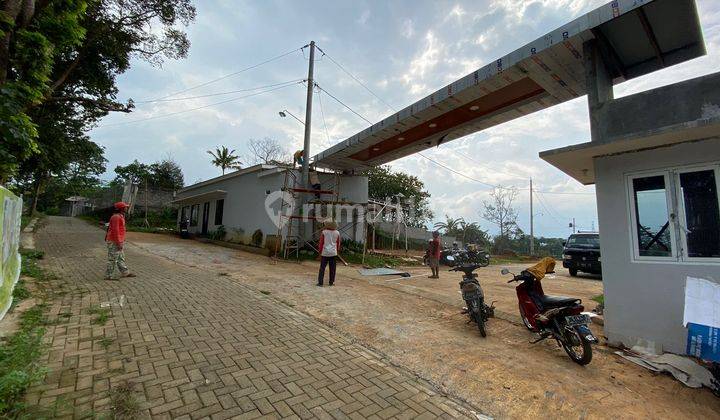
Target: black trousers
{"x":324,"y":261}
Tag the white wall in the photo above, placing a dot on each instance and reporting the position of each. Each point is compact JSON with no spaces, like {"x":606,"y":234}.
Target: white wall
{"x":644,"y":300}
{"x":244,"y":208}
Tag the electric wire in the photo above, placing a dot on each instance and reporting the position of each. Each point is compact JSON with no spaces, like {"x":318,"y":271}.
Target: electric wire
{"x":229,"y":92}
{"x":356,"y":79}
{"x":322,"y":113}
{"x":231,"y":74}
{"x":343,"y":104}
{"x":199,"y":107}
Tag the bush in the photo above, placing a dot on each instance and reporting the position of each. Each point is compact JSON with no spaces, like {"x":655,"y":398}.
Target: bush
{"x":257,"y":238}
{"x":218,"y":234}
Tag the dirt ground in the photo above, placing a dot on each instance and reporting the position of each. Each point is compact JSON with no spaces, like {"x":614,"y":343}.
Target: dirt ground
{"x":417,"y":323}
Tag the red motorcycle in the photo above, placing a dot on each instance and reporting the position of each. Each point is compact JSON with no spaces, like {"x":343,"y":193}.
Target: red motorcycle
{"x":553,"y":316}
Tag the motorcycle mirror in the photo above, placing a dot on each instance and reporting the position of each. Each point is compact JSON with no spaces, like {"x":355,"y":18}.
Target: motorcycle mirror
{"x":504,"y":271}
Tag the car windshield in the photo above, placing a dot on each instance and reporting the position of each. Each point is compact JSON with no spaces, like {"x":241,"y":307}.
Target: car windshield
{"x":585,"y":240}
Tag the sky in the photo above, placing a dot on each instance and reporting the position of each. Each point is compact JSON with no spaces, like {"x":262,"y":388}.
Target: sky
{"x":402,"y":51}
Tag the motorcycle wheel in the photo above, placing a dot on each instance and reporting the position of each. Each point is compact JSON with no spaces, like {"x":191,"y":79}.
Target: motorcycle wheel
{"x":484,"y":262}
{"x":580,"y":354}
{"x":481,"y":324}
{"x":480,"y":320}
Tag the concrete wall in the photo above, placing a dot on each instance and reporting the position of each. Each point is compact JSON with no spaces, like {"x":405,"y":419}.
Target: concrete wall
{"x":654,"y":110}
{"x":644,"y":301}
{"x":244,"y":208}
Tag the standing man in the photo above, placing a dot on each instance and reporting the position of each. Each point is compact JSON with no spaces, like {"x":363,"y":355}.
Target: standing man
{"x":115,"y":239}
{"x":434,"y":260}
{"x":329,"y":247}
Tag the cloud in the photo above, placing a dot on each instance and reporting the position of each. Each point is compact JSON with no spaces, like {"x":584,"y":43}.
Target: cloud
{"x":406,"y":29}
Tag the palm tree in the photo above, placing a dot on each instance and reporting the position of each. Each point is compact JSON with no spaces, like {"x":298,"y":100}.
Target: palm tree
{"x":450,"y":225}
{"x":225,"y":159}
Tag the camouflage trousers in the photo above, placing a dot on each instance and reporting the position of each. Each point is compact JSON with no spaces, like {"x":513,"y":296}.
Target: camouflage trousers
{"x":116,"y":257}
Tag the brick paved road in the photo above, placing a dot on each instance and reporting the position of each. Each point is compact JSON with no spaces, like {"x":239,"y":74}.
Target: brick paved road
{"x":197,"y":344}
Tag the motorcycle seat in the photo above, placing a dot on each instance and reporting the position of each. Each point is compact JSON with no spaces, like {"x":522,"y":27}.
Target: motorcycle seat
{"x":558,"y":301}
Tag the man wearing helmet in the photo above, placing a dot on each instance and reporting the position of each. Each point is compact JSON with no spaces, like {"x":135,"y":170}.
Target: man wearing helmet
{"x":115,"y":239}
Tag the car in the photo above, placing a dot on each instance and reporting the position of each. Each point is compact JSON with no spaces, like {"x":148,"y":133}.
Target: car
{"x":581,"y":252}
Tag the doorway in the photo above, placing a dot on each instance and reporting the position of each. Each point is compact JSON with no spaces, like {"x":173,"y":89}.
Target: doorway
{"x":206,"y":216}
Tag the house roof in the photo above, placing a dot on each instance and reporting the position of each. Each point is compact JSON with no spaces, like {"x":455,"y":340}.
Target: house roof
{"x":636,"y":37}
{"x":239,"y":172}
{"x":206,"y":196}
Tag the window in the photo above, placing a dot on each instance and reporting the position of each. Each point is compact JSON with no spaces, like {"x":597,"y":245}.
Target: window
{"x":219,"y":211}
{"x":700,"y":217}
{"x":184,"y":212}
{"x":587,"y":240}
{"x":652,"y":220}
{"x":194,"y":210}
{"x":676,"y":214}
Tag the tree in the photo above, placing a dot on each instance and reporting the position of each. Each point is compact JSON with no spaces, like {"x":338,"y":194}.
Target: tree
{"x":450,"y":225}
{"x":267,"y":151}
{"x":385,"y":184}
{"x":500,"y":212}
{"x":164,"y":174}
{"x":471,"y":233}
{"x":58,"y":56}
{"x":225,"y":158}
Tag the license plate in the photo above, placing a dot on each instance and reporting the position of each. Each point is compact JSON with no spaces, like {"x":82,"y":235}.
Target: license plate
{"x":573,"y":320}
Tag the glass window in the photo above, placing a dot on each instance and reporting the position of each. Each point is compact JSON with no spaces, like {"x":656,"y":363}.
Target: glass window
{"x":219,"y":204}
{"x":184,"y":213}
{"x":194,"y":210}
{"x":589,"y":240}
{"x":699,"y":196}
{"x":651,"y":217}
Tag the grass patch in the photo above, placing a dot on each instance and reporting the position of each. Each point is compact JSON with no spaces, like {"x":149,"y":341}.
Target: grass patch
{"x":20,"y":293}
{"x":123,"y":404}
{"x":106,"y":342}
{"x":20,"y":353}
{"x":103,"y":314}
{"x":599,"y":299}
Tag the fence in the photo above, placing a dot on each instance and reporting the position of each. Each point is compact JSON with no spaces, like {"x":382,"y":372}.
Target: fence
{"x":10,"y":212}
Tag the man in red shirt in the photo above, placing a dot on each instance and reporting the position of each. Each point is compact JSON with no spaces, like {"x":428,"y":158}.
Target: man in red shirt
{"x":434,"y":260}
{"x":115,"y":239}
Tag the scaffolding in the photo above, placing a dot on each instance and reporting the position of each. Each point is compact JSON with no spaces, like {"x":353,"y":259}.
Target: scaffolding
{"x":291,"y":226}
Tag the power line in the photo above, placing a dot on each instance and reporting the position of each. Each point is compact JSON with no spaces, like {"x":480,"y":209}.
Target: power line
{"x":547,"y":208}
{"x":322,"y":113}
{"x":230,"y":75}
{"x":229,"y":92}
{"x":356,"y":79}
{"x":342,"y":103}
{"x":200,"y":107}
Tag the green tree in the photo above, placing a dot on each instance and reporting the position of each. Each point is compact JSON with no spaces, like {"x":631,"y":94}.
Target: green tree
{"x":62,"y":55}
{"x":471,"y":233}
{"x":225,"y":158}
{"x":386,"y":184}
{"x":450,"y":226}
{"x":164,"y":174}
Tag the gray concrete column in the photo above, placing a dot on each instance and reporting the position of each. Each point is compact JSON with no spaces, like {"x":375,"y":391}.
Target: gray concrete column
{"x":599,"y":86}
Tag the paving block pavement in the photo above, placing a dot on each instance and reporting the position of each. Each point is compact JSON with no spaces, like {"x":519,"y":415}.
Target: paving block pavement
{"x":194,"y":344}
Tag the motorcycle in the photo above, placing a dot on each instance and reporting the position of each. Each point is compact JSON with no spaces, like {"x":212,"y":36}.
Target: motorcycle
{"x":464,"y":256}
{"x":559,"y":317}
{"x":474,"y":297}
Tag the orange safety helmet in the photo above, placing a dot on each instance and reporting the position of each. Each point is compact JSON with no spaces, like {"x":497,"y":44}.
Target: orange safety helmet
{"x":121,"y":205}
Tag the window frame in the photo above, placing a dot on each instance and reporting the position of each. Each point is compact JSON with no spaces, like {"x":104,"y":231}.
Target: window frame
{"x":194,"y":221}
{"x":676,"y":211}
{"x":630,"y":189}
{"x":222,"y":211}
{"x":681,"y":215}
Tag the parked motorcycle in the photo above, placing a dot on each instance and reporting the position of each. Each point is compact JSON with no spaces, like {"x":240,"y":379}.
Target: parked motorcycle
{"x":474,"y":297}
{"x":464,"y":256}
{"x":553,"y":316}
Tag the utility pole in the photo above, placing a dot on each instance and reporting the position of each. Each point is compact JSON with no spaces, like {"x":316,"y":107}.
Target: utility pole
{"x":573,"y":225}
{"x":308,"y":125}
{"x":532,"y":231}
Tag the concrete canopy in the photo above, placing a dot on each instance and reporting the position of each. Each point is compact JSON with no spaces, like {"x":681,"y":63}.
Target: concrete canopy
{"x":636,"y":36}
